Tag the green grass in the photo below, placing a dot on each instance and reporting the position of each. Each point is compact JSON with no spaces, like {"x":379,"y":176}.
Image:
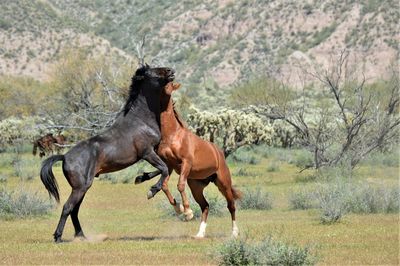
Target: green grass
{"x":139,"y":233}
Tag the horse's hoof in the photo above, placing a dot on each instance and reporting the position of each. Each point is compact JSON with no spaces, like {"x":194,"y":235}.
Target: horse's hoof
{"x":178,"y":208}
{"x":152,"y":192}
{"x":189,"y":215}
{"x":199,"y":236}
{"x":58,"y":240}
{"x":138,"y":180}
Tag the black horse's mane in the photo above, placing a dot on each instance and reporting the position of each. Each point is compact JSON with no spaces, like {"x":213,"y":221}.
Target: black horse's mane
{"x":134,"y":88}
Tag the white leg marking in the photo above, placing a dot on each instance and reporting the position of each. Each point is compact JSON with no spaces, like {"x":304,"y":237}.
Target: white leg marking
{"x":202,"y":230}
{"x":235,"y":230}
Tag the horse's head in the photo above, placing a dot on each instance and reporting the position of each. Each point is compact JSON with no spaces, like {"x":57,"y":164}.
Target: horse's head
{"x":155,"y":77}
{"x":150,"y":82}
{"x":171,"y":87}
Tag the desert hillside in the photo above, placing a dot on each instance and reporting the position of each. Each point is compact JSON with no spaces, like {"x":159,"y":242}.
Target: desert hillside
{"x":217,"y":43}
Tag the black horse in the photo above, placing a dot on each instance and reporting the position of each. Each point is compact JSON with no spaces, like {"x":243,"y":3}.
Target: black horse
{"x":132,"y":137}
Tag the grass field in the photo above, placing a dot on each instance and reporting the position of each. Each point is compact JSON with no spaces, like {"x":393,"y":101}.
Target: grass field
{"x":139,"y":231}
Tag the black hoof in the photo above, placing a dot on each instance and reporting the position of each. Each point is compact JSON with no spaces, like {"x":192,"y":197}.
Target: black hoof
{"x":58,"y":240}
{"x":80,"y":235}
{"x":138,"y":179}
{"x":141,"y":178}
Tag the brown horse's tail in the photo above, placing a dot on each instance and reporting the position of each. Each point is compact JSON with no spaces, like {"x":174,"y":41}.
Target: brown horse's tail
{"x":35,"y":145}
{"x":237,"y":194}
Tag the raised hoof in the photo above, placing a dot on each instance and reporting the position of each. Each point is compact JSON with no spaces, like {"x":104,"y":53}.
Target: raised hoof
{"x":152,"y":192}
{"x":189,"y":215}
{"x":138,"y":179}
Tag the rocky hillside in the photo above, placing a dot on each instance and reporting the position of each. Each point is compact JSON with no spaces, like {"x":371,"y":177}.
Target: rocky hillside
{"x":211,"y":43}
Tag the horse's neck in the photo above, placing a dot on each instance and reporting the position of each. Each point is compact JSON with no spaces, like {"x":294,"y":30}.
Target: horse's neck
{"x":143,"y":109}
{"x":169,"y":123}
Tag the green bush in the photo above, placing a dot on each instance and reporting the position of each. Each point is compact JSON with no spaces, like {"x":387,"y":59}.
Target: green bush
{"x":244,"y":172}
{"x":303,"y":159}
{"x":368,"y":199}
{"x":3,"y":178}
{"x":338,"y":197}
{"x":26,"y":169}
{"x":244,"y":156}
{"x":22,"y":204}
{"x":255,"y":199}
{"x":301,"y":200}
{"x":267,"y":252}
{"x":273,"y":167}
{"x":332,"y":202}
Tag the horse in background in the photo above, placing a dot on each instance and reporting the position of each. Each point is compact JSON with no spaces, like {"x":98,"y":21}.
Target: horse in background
{"x":133,"y":136}
{"x":48,"y":144}
{"x":198,"y":162}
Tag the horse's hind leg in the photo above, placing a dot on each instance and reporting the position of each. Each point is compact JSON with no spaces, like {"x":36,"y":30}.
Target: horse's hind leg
{"x":74,"y":199}
{"x":75,"y":220}
{"x":224,"y":184}
{"x":197,"y":187}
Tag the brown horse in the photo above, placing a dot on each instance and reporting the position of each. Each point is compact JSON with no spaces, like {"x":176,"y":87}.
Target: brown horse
{"x":198,"y":162}
{"x":48,"y":144}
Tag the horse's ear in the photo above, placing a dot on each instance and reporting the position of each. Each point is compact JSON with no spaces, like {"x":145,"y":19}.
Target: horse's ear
{"x":176,"y":86}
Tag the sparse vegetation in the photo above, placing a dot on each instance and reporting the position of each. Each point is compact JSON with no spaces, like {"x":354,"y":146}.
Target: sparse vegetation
{"x":267,"y":252}
{"x":21,"y":204}
{"x":255,"y":199}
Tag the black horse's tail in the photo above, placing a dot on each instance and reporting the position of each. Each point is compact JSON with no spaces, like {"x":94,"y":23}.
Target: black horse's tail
{"x":47,"y":176}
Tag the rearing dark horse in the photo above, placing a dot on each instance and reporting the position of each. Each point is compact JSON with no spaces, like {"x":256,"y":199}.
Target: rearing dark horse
{"x":132,"y":137}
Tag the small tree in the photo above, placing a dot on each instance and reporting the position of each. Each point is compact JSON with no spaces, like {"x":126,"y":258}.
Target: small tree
{"x":89,"y":92}
{"x":346,"y":121}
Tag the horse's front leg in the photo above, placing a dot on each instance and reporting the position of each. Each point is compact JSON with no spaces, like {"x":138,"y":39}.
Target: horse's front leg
{"x":146,"y":176}
{"x":177,"y":207}
{"x":152,"y":158}
{"x":185,"y":170}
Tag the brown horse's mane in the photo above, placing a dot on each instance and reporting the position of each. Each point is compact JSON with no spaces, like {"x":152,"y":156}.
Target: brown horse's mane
{"x":178,"y":117}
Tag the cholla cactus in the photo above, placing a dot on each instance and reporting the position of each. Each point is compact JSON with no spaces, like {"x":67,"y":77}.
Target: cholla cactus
{"x":13,"y":130}
{"x":230,"y":128}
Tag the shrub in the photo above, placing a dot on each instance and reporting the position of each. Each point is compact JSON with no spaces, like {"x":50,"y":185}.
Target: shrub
{"x":273,"y":167}
{"x":306,"y":178}
{"x":331,"y":201}
{"x":25,"y":169}
{"x":244,"y":172}
{"x":301,"y":200}
{"x":246,"y":157}
{"x":336,"y":198}
{"x":303,"y":159}
{"x":255,"y":199}
{"x":267,"y":252}
{"x":3,"y":178}
{"x":22,"y":204}
{"x":367,"y":199}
